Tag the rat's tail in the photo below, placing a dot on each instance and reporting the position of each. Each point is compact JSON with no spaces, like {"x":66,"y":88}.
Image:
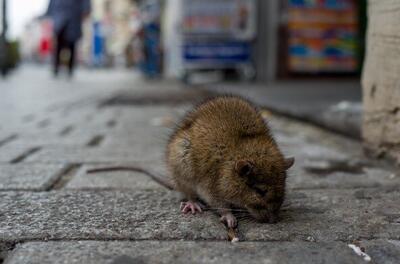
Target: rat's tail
{"x":158,"y":177}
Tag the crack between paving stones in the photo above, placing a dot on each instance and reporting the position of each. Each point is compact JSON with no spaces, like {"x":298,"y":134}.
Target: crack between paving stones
{"x":25,"y":155}
{"x":7,"y":251}
{"x":64,"y":177}
{"x":66,"y":130}
{"x":44,"y":123}
{"x":95,"y":141}
{"x":8,"y":139}
{"x":111,"y":123}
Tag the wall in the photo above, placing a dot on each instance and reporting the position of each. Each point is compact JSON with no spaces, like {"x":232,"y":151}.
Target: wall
{"x":381,"y":80}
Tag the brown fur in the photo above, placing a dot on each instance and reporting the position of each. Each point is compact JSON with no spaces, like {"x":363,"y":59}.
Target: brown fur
{"x":222,"y":152}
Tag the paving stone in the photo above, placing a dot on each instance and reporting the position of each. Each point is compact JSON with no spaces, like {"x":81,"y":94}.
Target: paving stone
{"x":131,"y":115}
{"x":8,"y":153}
{"x":33,"y":177}
{"x":299,"y":178}
{"x":75,"y":118}
{"x":383,"y":251}
{"x":10,"y":126}
{"x":144,"y":136}
{"x":181,"y":252}
{"x":78,"y":128}
{"x":51,"y":140}
{"x":93,"y":117}
{"x":306,"y":151}
{"x":309,"y":101}
{"x":326,"y":215}
{"x":320,"y":215}
{"x":320,"y":164}
{"x":106,"y":215}
{"x":294,"y":132}
{"x":116,"y":179}
{"x":97,"y":155}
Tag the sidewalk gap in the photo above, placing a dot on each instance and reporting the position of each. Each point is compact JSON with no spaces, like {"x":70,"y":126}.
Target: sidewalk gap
{"x":111,"y":123}
{"x":44,"y":123}
{"x":8,"y":139}
{"x":64,"y":177}
{"x":66,"y":130}
{"x":25,"y":155}
{"x":95,"y":141}
{"x":5,"y":249}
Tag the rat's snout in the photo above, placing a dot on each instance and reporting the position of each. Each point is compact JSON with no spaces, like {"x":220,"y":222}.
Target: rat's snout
{"x":264,"y":215}
{"x":273,"y":219}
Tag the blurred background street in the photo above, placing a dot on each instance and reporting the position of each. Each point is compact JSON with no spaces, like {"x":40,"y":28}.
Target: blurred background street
{"x":137,"y":67}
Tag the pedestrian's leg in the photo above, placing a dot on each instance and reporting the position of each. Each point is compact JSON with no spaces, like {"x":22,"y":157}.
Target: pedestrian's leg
{"x":71,"y":63}
{"x":57,"y":53}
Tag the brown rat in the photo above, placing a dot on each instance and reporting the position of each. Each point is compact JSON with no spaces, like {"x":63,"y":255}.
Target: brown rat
{"x":223,"y":153}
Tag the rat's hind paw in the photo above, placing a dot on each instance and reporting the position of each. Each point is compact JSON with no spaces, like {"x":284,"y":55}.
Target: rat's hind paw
{"x":229,"y":219}
{"x":190,"y":206}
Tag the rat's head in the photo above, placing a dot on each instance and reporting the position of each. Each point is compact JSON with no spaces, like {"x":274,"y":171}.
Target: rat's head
{"x":259,"y":185}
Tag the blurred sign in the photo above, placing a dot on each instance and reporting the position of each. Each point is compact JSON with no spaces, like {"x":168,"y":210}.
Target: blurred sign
{"x":227,"y":52}
{"x":234,"y":18}
{"x":323,"y":35}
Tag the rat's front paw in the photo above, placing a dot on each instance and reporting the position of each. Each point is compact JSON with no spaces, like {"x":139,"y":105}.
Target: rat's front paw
{"x":190,"y":206}
{"x":229,"y":220}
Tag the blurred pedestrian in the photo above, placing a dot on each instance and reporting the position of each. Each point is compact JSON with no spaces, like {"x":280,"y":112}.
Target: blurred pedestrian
{"x":67,"y":17}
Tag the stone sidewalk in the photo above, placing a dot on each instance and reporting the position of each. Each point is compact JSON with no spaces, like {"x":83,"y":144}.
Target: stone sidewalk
{"x":52,"y":211}
{"x":333,"y":104}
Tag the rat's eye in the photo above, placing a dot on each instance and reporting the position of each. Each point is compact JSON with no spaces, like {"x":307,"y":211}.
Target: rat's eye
{"x":244,"y":168}
{"x":260,"y":191}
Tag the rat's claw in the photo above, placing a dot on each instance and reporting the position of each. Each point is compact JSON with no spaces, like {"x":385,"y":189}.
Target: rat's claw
{"x":191,"y":206}
{"x":182,"y":206}
{"x":229,"y":220}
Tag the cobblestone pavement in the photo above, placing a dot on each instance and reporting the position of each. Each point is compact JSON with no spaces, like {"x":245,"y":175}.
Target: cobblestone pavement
{"x":52,"y":211}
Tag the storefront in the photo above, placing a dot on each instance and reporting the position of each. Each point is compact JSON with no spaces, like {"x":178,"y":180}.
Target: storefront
{"x":213,"y":35}
{"x":321,"y":38}
{"x":279,"y":39}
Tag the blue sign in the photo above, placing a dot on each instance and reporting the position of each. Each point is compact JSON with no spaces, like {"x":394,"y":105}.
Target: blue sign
{"x":227,"y":52}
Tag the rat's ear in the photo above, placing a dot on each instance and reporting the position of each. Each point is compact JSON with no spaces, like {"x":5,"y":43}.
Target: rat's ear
{"x":289,"y":163}
{"x":243,"y":167}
